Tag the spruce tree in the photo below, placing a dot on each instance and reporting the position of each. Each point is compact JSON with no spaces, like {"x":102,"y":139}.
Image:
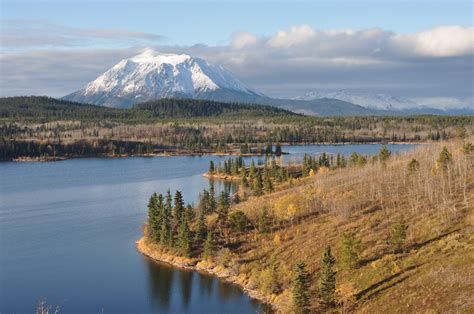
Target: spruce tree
{"x":184,"y":237}
{"x":153,"y":217}
{"x":166,"y":234}
{"x":301,"y":287}
{"x":204,"y":202}
{"x":212,"y":199}
{"x":264,"y":221}
{"x":349,"y":250}
{"x":268,"y":186}
{"x":384,"y":154}
{"x":445,"y":158}
{"x":413,"y":166}
{"x":178,"y":209}
{"x":201,"y":232}
{"x":211,"y":167}
{"x":399,"y":234}
{"x":208,"y":249}
{"x":223,"y":205}
{"x":327,"y":285}
{"x":257,"y":184}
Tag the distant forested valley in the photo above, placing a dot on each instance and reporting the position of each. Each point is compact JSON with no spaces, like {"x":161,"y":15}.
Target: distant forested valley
{"x":43,"y":127}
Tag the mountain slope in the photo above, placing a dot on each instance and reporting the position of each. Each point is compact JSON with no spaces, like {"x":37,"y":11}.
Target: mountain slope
{"x":392,"y":103}
{"x":150,"y":75}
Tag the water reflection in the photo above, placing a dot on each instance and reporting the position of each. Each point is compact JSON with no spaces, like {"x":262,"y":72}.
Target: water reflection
{"x":186,"y":283}
{"x":161,"y":284}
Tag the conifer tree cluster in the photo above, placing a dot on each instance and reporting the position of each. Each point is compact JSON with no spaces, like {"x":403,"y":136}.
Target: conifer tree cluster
{"x":168,"y":221}
{"x":231,"y":166}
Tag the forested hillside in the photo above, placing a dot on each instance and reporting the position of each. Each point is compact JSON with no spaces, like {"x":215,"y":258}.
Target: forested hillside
{"x":370,"y":234}
{"x":43,"y":109}
{"x":42,"y":127}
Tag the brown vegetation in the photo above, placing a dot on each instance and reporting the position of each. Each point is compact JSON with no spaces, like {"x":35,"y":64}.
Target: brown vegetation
{"x":434,"y":198}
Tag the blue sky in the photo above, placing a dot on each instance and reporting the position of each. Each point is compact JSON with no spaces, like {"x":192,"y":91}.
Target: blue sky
{"x":413,"y":49}
{"x":212,"y":22}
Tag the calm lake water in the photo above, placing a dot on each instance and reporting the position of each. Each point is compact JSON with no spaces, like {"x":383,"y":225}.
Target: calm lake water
{"x":68,"y":232}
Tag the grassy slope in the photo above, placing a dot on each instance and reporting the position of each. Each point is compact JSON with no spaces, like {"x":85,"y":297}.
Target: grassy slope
{"x":432,"y":274}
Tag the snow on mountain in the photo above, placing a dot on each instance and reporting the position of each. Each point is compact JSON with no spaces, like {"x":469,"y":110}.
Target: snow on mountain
{"x":151,"y":75}
{"x":392,"y":103}
{"x":373,"y":101}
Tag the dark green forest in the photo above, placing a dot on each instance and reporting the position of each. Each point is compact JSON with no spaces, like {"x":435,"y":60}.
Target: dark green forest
{"x":45,"y":127}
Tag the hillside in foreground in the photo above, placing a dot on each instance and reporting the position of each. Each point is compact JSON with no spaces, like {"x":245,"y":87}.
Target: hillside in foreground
{"x":400,"y":230}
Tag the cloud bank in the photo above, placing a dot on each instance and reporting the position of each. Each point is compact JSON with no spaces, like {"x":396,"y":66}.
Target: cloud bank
{"x":435,"y":63}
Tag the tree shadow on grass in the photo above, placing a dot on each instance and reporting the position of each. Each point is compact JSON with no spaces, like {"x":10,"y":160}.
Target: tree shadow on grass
{"x":373,"y":290}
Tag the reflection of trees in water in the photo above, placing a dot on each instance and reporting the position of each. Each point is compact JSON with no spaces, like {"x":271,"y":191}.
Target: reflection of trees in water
{"x":186,"y":281}
{"x":220,"y":185}
{"x":206,"y":284}
{"x":227,"y":291}
{"x":161,"y":284}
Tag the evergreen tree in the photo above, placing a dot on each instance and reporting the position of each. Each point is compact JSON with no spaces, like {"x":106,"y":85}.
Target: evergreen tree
{"x":178,"y":210}
{"x":268,"y":186}
{"x":244,"y":181}
{"x":166,"y":233}
{"x":353,"y":158}
{"x":399,"y":234}
{"x":327,"y":285}
{"x":238,"y":221}
{"x":257,"y":184}
{"x":201,"y":232}
{"x":184,"y":237}
{"x":223,"y":205}
{"x":211,"y":167}
{"x":413,"y":165}
{"x":204,"y":202}
{"x":384,"y":155}
{"x":349,"y":250}
{"x":212,"y":199}
{"x":208,"y":249}
{"x":154,"y":217}
{"x":264,"y":221}
{"x":445,"y":158}
{"x":301,"y":287}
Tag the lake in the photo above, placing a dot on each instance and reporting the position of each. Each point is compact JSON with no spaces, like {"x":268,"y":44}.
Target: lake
{"x":68,"y":232}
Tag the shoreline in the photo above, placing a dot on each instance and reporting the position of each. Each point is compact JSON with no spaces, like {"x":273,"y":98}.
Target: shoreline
{"x":207,"y":268}
{"x":191,"y":154}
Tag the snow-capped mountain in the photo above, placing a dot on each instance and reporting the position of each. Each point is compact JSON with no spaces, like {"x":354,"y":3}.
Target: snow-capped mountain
{"x":151,"y":75}
{"x":372,"y":101}
{"x":436,"y":105}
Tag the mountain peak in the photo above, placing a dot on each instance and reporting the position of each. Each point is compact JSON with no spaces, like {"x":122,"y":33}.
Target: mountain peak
{"x":151,"y":56}
{"x":153,"y":75}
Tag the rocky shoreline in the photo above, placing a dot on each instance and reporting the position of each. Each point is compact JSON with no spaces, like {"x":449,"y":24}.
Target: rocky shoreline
{"x":153,"y":251}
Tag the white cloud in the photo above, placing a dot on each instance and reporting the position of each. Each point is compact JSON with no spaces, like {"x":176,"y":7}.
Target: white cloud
{"x":28,"y":34}
{"x":243,"y":39}
{"x":296,"y":35}
{"x":443,"y":41}
{"x":433,"y":63}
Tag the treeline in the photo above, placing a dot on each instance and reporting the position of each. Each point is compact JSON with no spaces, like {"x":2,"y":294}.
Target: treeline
{"x":43,"y":109}
{"x":10,"y":149}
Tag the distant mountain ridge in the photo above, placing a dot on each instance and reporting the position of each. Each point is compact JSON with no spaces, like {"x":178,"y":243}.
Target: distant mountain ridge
{"x":381,"y":101}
